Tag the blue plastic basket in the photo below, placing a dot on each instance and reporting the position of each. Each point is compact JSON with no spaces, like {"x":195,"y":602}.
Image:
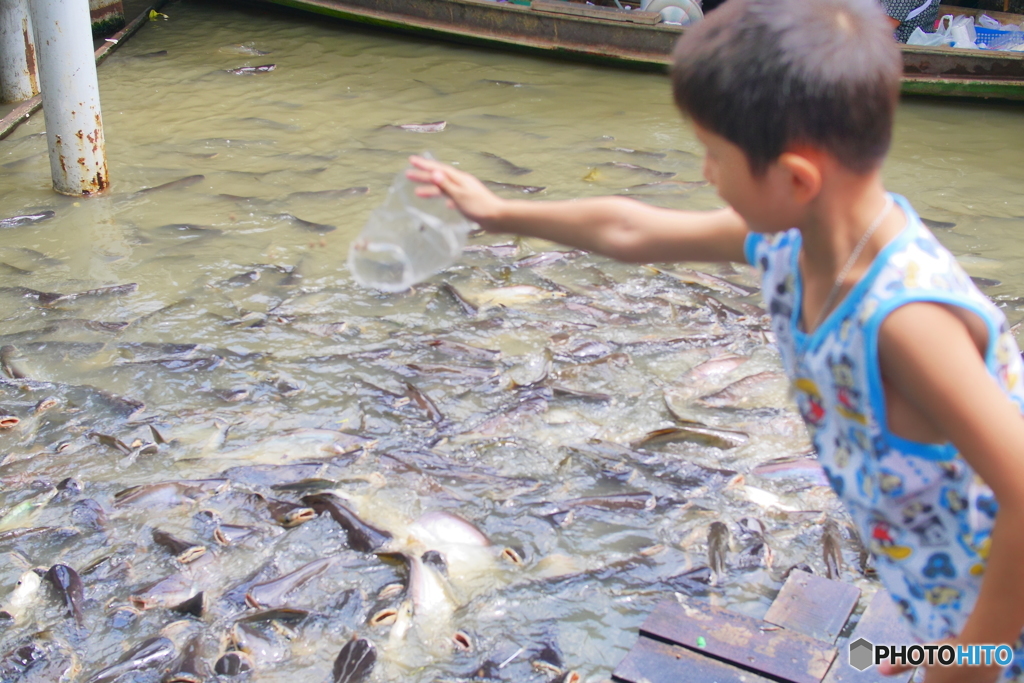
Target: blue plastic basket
{"x":996,"y":39}
{"x":987,"y":34}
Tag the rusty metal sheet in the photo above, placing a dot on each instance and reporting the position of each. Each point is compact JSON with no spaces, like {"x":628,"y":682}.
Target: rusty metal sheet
{"x":741,"y":641}
{"x":952,"y":62}
{"x":813,"y":605}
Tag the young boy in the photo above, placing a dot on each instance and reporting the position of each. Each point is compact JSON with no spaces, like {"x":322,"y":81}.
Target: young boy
{"x":906,"y":375}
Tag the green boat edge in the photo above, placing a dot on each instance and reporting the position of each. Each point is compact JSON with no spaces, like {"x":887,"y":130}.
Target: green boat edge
{"x":964,"y":88}
{"x":932,"y":87}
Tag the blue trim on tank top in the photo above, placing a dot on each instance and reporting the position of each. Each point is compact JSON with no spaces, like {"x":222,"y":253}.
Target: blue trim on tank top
{"x":750,"y":243}
{"x":803,"y":342}
{"x":928,"y":451}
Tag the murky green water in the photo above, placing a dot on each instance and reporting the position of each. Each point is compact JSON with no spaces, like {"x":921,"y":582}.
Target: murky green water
{"x":246,"y":332}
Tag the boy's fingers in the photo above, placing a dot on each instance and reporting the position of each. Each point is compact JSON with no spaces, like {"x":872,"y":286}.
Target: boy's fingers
{"x":444,"y":180}
{"x":427,"y":191}
{"x":421,"y":162}
{"x":429,"y":165}
{"x":418,"y":176}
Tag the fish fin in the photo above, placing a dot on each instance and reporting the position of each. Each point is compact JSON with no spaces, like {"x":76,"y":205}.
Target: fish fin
{"x":355,"y":661}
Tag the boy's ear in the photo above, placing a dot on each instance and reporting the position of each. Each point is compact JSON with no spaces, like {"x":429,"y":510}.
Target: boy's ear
{"x":804,"y":175}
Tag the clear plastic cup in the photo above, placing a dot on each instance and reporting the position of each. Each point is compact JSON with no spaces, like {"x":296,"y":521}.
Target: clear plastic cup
{"x":407,"y":239}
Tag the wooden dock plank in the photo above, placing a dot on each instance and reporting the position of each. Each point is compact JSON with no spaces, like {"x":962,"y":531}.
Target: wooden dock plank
{"x":882,"y":624}
{"x":652,"y":661}
{"x":813,"y":605}
{"x":740,"y":640}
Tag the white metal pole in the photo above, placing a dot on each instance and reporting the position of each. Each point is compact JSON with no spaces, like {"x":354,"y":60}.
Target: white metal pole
{"x":18,"y":80}
{"x":71,"y":96}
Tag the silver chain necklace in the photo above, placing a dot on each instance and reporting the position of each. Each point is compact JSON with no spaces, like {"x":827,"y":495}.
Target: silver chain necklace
{"x":841,"y":278}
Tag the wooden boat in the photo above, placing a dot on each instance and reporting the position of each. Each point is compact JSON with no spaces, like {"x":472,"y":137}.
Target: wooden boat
{"x":637,"y":39}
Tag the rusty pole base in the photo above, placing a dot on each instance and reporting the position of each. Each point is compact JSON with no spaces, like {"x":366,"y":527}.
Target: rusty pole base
{"x":71,"y":97}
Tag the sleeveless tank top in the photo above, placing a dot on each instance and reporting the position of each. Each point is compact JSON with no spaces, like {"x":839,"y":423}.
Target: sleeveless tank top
{"x":920,"y":508}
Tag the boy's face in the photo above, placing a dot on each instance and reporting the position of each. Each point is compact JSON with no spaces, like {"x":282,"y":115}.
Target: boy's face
{"x":766,"y":202}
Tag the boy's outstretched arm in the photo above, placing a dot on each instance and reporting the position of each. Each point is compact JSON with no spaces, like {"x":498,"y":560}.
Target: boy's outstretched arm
{"x":930,"y":355}
{"x":618,"y":227}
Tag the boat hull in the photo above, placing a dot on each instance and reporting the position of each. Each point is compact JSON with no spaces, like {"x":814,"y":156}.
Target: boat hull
{"x":596,"y":34}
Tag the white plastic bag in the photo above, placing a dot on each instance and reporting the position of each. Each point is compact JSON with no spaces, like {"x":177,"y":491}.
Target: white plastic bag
{"x":407,"y":239}
{"x":985,"y":21}
{"x":962,"y":39}
{"x":959,"y":30}
{"x":919,"y":37}
{"x":967,"y":23}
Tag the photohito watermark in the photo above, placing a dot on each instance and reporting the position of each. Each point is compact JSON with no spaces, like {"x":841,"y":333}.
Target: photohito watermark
{"x":864,"y":653}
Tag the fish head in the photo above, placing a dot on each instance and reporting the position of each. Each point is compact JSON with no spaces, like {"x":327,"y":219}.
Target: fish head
{"x":403,"y":621}
{"x":432,"y":594}
{"x":435,"y":559}
{"x":355,"y":661}
{"x":439,"y":527}
{"x":462,"y":642}
{"x":466,"y":550}
{"x":21,"y":597}
{"x":718,"y":532}
{"x":180,"y":632}
{"x":385,"y":617}
{"x":234,"y":663}
{"x":513,"y":556}
{"x":29,"y":582}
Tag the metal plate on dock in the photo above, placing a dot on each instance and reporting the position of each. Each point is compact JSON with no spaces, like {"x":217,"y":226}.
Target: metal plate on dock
{"x":881,"y":624}
{"x":739,"y":640}
{"x":652,"y":661}
{"x":813,"y":605}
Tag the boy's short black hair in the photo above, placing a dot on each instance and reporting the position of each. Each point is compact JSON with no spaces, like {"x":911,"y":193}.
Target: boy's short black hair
{"x":768,"y":74}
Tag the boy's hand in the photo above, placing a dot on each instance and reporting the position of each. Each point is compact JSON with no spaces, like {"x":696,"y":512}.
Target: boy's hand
{"x":464,"y":191}
{"x":946,"y":674}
